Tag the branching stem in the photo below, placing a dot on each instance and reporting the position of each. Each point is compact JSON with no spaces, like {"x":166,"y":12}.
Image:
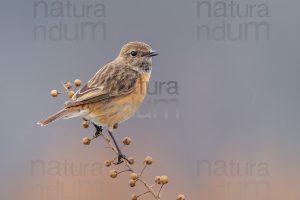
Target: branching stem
{"x":129,"y":168}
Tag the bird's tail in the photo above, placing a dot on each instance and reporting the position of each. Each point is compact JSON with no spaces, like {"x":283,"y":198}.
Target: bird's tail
{"x":62,"y":114}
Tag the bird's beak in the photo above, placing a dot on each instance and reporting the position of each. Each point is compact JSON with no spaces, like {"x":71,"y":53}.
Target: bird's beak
{"x":152,"y":53}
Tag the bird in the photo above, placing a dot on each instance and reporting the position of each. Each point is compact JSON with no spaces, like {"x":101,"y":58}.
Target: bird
{"x":114,"y":93}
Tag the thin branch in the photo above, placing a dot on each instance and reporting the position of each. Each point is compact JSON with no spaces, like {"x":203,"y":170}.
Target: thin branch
{"x":143,"y":193}
{"x":150,"y":189}
{"x":145,"y":166}
{"x":160,"y":189}
{"x":125,"y":170}
{"x":129,"y":168}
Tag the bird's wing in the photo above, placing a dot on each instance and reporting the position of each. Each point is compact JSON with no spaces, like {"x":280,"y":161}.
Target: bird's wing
{"x":110,"y":81}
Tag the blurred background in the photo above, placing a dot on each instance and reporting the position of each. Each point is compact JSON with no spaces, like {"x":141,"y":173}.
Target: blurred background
{"x":221,"y":118}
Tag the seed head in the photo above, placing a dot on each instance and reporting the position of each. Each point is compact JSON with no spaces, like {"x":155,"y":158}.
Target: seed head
{"x":132,"y":183}
{"x":86,"y":141}
{"x":127,"y":141}
{"x":77,"y":82}
{"x":116,"y":125}
{"x":54,"y":93}
{"x":71,"y":94}
{"x":113,"y":173}
{"x":164,"y":179}
{"x":157,"y":180}
{"x":133,"y":176}
{"x":180,"y":197}
{"x":131,"y":160}
{"x":148,"y":160}
{"x":67,"y":85}
{"x":134,"y":197}
{"x":85,"y":124}
{"x":107,"y":163}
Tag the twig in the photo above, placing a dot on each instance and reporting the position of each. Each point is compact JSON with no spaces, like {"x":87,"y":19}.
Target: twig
{"x":160,"y":189}
{"x":143,"y":193}
{"x":129,"y":168}
{"x":145,"y":166}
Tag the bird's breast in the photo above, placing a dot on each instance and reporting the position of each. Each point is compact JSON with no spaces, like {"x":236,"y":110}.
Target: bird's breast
{"x":141,"y":85}
{"x":120,"y":108}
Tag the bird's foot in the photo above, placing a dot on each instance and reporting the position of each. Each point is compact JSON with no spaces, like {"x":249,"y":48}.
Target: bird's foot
{"x":98,"y":128}
{"x":98,"y":132}
{"x":121,"y":158}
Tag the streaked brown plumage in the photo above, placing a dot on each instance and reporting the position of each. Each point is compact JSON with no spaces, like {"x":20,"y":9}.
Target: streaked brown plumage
{"x":115,"y":92}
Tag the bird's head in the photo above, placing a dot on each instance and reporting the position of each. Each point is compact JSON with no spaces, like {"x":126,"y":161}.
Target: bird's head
{"x":137,"y":54}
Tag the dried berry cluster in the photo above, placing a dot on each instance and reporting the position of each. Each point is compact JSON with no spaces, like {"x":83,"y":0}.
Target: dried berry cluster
{"x":68,"y":88}
{"x":134,"y":177}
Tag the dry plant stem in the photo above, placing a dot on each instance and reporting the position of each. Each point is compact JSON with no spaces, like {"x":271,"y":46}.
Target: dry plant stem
{"x":160,"y":189}
{"x":150,"y":189}
{"x":126,"y":170}
{"x":143,"y":193}
{"x":145,"y":166}
{"x":129,"y":168}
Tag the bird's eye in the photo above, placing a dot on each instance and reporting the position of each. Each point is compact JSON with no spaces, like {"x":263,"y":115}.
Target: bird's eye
{"x":133,"y":53}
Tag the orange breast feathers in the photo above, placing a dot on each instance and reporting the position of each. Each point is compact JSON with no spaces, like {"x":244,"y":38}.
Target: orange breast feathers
{"x":141,"y":85}
{"x":120,"y":108}
{"x":135,"y":99}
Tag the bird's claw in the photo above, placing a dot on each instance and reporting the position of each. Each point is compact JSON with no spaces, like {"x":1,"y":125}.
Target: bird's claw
{"x":121,"y":159}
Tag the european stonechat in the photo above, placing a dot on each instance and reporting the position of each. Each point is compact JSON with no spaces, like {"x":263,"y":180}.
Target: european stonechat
{"x":114,"y":93}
